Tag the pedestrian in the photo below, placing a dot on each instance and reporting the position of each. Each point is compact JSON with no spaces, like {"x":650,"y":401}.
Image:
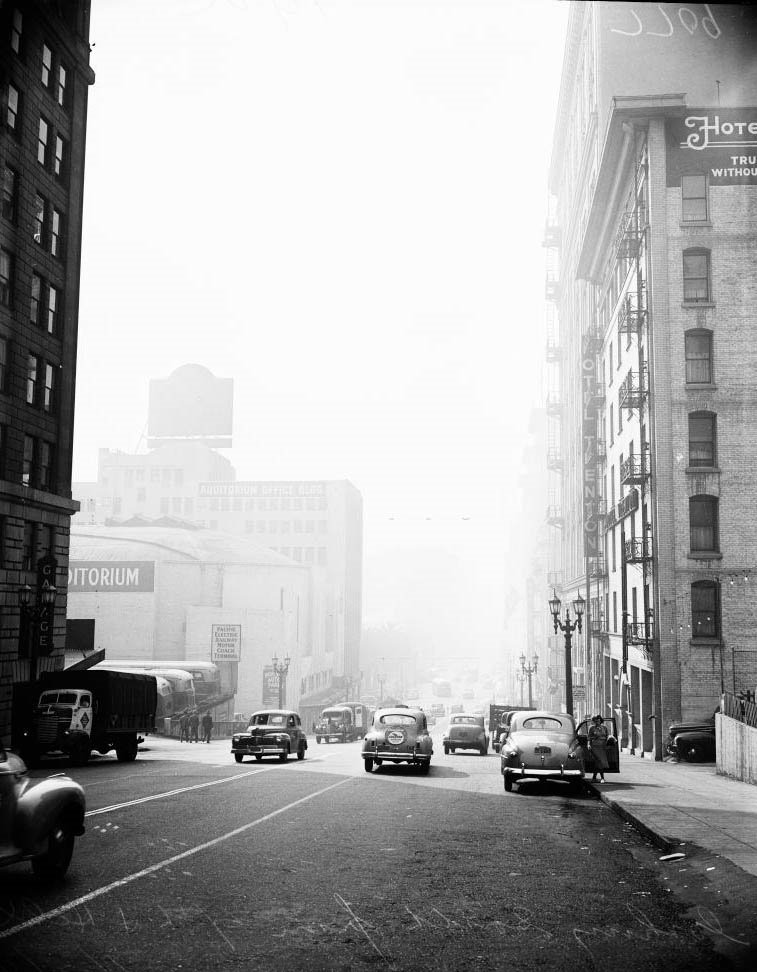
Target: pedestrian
{"x":207,"y":727}
{"x":598,"y":746}
{"x":184,"y":727}
{"x":194,"y":727}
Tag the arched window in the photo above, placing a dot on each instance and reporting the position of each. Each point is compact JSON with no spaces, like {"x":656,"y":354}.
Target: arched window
{"x":696,"y":275}
{"x":703,"y":523}
{"x":698,"y":350}
{"x":702,"y":427}
{"x":705,"y":609}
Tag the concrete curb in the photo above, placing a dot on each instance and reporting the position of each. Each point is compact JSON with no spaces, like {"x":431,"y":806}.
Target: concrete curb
{"x":667,"y":844}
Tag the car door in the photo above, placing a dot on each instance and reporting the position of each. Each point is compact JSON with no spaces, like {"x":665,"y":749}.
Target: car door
{"x":613,"y":748}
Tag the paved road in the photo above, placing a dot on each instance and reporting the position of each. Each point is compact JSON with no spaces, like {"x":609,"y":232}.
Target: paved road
{"x":191,"y":861}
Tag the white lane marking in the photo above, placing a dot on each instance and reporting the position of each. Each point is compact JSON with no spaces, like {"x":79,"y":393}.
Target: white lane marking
{"x":170,"y":793}
{"x":122,"y":882}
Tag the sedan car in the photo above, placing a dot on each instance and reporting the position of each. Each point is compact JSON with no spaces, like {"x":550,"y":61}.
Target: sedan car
{"x":466,"y":732}
{"x":398,"y":735}
{"x":541,"y":745}
{"x":38,"y":822}
{"x":271,"y":732}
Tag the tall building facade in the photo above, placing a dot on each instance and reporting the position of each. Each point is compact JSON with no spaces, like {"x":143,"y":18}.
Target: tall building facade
{"x":651,"y":283}
{"x":44,"y":81}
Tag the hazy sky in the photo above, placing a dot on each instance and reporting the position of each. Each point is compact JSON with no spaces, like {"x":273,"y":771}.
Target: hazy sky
{"x":340,"y":205}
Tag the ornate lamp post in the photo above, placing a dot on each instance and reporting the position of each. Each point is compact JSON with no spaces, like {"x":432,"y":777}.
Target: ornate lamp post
{"x":280,"y":670}
{"x":568,"y":627}
{"x":529,"y":671}
{"x":37,"y":617}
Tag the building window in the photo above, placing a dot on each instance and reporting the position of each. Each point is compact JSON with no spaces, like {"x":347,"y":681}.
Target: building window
{"x":50,"y":390}
{"x":42,"y":141}
{"x":13,"y":110}
{"x":62,"y":87}
{"x":6,"y":274}
{"x":47,"y":65}
{"x":3,"y":362}
{"x":702,"y":439}
{"x":17,"y":27}
{"x":693,"y":197}
{"x":61,"y":158}
{"x":56,"y":234}
{"x":615,"y":611}
{"x":45,"y":465}
{"x":40,"y":216}
{"x":53,"y":309}
{"x":696,"y":276}
{"x":3,"y":452}
{"x":27,"y":472}
{"x":34,"y":300}
{"x":32,"y":365}
{"x":698,"y":350}
{"x":705,"y":609}
{"x":10,"y":193}
{"x":29,"y":552}
{"x":703,"y":523}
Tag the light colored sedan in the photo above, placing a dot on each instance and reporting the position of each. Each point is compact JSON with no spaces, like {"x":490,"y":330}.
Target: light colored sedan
{"x":541,"y":745}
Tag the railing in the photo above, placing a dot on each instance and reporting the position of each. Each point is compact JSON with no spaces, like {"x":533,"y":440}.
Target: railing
{"x":632,"y":312}
{"x":638,"y":550}
{"x":632,"y":391}
{"x":631,"y":471}
{"x":639,"y":632}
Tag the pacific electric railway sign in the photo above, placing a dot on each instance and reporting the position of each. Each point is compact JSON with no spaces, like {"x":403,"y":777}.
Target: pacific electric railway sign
{"x":226,"y":642}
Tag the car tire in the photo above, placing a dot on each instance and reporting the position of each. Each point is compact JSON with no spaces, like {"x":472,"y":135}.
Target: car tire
{"x":126,"y":751}
{"x":318,"y":740}
{"x":79,"y":755}
{"x":508,"y":782}
{"x":368,"y":764}
{"x":283,"y":757}
{"x":693,"y":754}
{"x":483,"y":750}
{"x":446,"y":750}
{"x":300,"y":751}
{"x":53,"y":864}
{"x":238,"y":757}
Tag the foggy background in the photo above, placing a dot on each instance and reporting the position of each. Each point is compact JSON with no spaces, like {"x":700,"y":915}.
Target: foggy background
{"x":340,"y":206}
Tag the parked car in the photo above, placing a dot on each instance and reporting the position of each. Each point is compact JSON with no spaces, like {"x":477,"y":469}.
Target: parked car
{"x":466,"y":732}
{"x":398,"y":735}
{"x":541,"y":745}
{"x":271,"y":732}
{"x":692,"y":741}
{"x":39,"y":822}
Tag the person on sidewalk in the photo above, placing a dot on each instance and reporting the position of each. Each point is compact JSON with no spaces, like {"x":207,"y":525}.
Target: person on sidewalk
{"x":184,"y":727}
{"x":194,"y":727}
{"x":207,"y":727}
{"x":598,"y":746}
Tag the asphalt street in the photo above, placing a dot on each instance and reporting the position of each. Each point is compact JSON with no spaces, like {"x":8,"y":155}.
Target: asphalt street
{"x":191,"y":861}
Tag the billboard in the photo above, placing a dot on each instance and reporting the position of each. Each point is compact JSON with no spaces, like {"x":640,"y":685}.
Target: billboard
{"x":191,"y":404}
{"x":719,"y":143}
{"x":226,"y":642}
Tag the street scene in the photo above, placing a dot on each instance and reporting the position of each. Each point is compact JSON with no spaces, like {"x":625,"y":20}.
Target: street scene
{"x":377,"y":550}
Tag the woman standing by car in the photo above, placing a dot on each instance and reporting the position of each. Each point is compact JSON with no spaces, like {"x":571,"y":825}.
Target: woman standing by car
{"x":598,"y":746}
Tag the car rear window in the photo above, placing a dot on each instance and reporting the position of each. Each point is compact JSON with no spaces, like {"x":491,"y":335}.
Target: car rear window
{"x":396,"y":719}
{"x":464,"y":721}
{"x":542,"y":723}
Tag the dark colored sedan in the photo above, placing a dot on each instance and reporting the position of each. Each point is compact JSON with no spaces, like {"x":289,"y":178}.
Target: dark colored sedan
{"x":466,"y":732}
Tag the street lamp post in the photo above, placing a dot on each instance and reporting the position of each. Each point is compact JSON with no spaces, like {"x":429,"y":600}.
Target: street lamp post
{"x":37,"y":617}
{"x":568,"y":627}
{"x":280,"y":670}
{"x":521,"y":679}
{"x":529,"y":671}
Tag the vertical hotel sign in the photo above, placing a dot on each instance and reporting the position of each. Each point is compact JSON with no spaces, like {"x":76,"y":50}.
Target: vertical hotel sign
{"x":590,"y":491}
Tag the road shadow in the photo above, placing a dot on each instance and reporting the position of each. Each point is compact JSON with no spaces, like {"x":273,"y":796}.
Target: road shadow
{"x":437,"y":771}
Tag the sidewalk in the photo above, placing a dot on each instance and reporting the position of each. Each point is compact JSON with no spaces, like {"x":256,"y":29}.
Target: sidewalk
{"x":685,"y":803}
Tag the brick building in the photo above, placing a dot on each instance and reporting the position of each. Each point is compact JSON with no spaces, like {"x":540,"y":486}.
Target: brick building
{"x":44,"y":81}
{"x":652,"y":399}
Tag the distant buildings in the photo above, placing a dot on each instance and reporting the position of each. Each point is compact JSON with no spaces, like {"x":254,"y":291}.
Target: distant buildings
{"x":44,"y":81}
{"x":182,"y":480}
{"x":652,"y":399}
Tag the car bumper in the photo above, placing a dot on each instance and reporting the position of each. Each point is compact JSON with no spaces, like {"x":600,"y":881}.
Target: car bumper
{"x":397,"y":756}
{"x":559,"y":773}
{"x":255,"y":750}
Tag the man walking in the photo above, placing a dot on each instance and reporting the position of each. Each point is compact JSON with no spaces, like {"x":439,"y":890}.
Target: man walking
{"x":207,"y":727}
{"x":194,"y":727}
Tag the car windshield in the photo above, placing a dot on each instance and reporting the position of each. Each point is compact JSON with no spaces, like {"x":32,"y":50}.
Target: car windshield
{"x":61,"y":698}
{"x":464,"y":721}
{"x":544,"y":722}
{"x":397,"y":719}
{"x":268,"y":719}
{"x":338,"y":715}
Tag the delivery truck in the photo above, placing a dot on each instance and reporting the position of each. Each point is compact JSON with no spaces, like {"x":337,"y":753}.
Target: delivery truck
{"x":75,"y":712}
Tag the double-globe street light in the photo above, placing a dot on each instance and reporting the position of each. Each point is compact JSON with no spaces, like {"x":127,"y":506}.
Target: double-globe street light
{"x":528,"y":672}
{"x":280,"y":670}
{"x":568,"y":627}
